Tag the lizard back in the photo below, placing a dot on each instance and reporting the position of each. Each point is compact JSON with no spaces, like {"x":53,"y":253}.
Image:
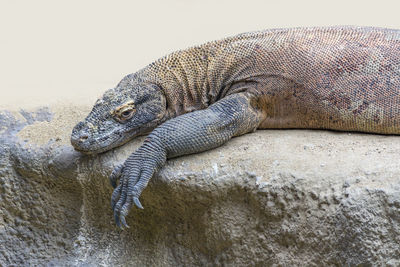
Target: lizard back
{"x":340,"y":78}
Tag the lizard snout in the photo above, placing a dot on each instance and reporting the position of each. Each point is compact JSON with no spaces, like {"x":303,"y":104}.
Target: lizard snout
{"x":78,"y":139}
{"x":79,"y":135}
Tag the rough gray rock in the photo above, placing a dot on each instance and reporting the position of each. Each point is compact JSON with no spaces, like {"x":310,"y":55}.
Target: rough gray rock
{"x":271,"y":198}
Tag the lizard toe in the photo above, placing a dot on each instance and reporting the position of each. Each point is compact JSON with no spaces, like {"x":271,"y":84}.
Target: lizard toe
{"x":123,"y":213}
{"x":115,"y":175}
{"x":115,"y":196}
{"x":116,"y":219}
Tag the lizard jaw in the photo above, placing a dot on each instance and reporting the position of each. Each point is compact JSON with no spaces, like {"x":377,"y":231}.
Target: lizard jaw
{"x":84,"y":145}
{"x":123,"y":139}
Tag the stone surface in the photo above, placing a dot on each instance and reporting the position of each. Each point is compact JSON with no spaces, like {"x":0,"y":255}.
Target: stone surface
{"x":271,"y":198}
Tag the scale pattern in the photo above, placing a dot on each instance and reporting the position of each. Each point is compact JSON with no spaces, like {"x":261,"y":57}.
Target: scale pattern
{"x":339,"y":78}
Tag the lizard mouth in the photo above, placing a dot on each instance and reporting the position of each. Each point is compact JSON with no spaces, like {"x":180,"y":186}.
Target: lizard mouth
{"x":83,"y":142}
{"x":89,"y":147}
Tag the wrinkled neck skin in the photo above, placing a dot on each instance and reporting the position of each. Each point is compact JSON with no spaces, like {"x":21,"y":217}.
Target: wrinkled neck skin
{"x":197,"y":77}
{"x":182,"y":76}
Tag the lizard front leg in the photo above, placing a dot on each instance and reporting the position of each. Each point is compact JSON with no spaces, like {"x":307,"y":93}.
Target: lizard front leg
{"x":190,"y":133}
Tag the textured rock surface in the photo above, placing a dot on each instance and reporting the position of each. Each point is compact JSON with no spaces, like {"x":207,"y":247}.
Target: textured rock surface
{"x":291,"y":197}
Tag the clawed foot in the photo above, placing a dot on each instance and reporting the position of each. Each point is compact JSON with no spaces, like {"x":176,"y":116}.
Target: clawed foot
{"x":134,"y":176}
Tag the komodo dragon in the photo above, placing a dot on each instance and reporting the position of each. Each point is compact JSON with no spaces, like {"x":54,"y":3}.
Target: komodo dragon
{"x":339,"y":78}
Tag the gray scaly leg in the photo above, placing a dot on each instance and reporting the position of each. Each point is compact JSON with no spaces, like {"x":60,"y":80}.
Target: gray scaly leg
{"x":190,"y":133}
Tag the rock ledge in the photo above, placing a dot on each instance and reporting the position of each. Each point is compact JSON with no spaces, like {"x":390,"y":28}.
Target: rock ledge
{"x":279,"y":197}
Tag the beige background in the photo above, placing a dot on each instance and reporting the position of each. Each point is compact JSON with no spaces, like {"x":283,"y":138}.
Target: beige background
{"x":52,"y":51}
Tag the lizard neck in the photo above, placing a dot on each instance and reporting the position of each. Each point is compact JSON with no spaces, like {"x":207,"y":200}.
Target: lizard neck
{"x":194,"y":78}
{"x":182,"y":76}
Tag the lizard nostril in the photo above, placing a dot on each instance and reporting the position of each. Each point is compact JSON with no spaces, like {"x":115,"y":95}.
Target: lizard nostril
{"x":83,"y":137}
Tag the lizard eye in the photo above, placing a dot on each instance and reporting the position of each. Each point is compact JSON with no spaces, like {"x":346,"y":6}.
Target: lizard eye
{"x":124,"y":112}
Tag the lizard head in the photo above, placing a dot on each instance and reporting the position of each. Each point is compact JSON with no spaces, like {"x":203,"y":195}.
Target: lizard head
{"x":133,"y":108}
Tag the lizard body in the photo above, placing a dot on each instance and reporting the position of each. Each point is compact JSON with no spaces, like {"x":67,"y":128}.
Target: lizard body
{"x":339,"y":78}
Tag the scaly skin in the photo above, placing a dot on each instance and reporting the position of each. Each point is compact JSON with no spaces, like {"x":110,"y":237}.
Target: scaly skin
{"x":340,"y":78}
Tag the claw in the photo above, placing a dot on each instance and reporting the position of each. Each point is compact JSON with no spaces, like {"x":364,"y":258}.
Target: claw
{"x":123,"y":221}
{"x":116,"y":218}
{"x":124,"y":211}
{"x":137,"y":203}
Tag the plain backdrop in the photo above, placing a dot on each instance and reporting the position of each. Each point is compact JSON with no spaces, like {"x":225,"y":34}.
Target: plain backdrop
{"x":52,"y":51}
